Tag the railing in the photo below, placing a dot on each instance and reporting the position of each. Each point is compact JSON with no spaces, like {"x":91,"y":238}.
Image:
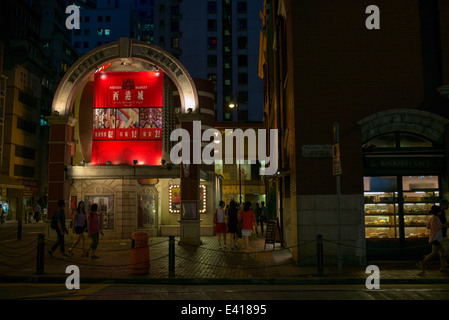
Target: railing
{"x":15,"y":253}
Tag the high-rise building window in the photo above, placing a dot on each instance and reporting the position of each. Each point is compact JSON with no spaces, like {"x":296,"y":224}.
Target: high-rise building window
{"x":23,"y":171}
{"x":212,"y":25}
{"x":211,"y":61}
{"x":24,"y":152}
{"x":242,"y":42}
{"x":243,"y":78}
{"x":107,"y":32}
{"x":211,"y":43}
{"x":243,"y":60}
{"x":241,"y":7}
{"x":212,"y":77}
{"x":243,"y":97}
{"x":86,"y":19}
{"x":174,"y":26}
{"x":212,"y":7}
{"x":175,"y":42}
{"x":100,"y":18}
{"x":26,"y":125}
{"x":242,"y":24}
{"x":108,"y":18}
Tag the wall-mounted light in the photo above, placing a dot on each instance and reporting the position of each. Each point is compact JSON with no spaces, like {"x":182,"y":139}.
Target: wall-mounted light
{"x":108,"y":163}
{"x":203,"y":187}
{"x":135,"y":162}
{"x":190,"y":110}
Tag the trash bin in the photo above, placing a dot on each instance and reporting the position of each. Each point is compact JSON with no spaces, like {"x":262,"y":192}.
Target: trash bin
{"x":140,"y":253}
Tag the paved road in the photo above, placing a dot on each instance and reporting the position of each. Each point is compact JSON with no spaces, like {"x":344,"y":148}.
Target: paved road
{"x":30,"y":291}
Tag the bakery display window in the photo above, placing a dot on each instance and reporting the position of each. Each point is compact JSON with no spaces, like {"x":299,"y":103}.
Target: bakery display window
{"x":420,"y":194}
{"x":398,"y":207}
{"x":381,"y":210}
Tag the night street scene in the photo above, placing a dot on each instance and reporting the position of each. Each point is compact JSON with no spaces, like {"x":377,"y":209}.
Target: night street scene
{"x":224,"y":158}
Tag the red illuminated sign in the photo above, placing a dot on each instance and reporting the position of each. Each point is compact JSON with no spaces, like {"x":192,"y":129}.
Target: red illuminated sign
{"x":128,"y":89}
{"x":127,"y":122}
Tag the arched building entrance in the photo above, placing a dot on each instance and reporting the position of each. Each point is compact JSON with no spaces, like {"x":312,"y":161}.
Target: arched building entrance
{"x":404,"y":172}
{"x":134,"y":196}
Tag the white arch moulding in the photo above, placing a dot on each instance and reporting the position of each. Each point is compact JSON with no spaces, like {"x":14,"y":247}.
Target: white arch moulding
{"x":124,"y":49}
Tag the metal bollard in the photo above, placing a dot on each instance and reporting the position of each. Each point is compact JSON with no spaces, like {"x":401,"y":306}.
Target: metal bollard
{"x":171,"y":256}
{"x":40,"y":254}
{"x":319,"y":253}
{"x":19,"y":230}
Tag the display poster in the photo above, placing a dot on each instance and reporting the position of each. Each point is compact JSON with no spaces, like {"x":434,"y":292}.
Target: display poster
{"x":175,"y":198}
{"x":105,"y":209}
{"x":147,"y":211}
{"x":127,"y":122}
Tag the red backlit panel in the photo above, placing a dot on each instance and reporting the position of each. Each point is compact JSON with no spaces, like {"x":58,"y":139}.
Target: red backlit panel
{"x":122,"y":152}
{"x":127,"y":122}
{"x":129,"y":89}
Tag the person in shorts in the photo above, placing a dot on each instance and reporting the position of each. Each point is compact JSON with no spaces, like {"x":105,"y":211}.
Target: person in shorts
{"x":79,"y":225}
{"x":220,"y":223}
{"x":93,"y":229}
{"x":435,"y":237}
{"x":248,"y":223}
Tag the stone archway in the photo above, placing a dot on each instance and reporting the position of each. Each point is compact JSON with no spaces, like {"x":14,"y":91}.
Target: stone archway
{"x":62,"y":120}
{"x":420,"y":122}
{"x":124,"y":49}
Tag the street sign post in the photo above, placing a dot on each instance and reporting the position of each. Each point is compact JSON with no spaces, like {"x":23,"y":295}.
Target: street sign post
{"x":336,"y":165}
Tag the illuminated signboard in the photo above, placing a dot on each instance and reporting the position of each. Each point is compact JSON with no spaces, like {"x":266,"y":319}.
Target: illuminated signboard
{"x":127,"y":118}
{"x":174,"y":199}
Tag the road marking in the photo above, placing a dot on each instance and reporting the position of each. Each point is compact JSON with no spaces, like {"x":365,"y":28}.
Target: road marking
{"x":83,"y":293}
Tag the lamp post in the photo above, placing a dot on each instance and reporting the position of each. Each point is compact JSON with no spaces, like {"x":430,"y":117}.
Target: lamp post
{"x":235,"y":105}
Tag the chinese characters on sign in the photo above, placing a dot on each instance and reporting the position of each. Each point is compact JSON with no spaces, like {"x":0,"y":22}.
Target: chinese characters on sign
{"x":127,"y":122}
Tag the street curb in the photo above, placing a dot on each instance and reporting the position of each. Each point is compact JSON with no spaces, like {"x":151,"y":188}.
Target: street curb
{"x":192,"y":281}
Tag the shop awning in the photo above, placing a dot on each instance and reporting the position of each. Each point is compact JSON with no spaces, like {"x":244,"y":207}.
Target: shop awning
{"x":9,"y":183}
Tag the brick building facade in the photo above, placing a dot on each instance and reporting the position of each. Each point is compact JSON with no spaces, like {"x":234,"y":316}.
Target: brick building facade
{"x":321,"y":65}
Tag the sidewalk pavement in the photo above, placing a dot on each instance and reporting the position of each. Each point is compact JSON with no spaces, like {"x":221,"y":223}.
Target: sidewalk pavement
{"x":204,"y":264}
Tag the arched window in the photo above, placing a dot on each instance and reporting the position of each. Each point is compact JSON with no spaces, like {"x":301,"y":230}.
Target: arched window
{"x":397,"y":141}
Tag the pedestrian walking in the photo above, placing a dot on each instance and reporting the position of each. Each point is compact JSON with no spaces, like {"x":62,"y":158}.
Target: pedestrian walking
{"x":220,"y":223}
{"x":79,"y":226}
{"x":94,"y":229}
{"x":60,"y":229}
{"x":257,"y":216}
{"x":248,"y":222}
{"x":263,"y":215}
{"x":232,"y":224}
{"x":435,"y":237}
{"x":37,"y":211}
{"x":444,"y":205}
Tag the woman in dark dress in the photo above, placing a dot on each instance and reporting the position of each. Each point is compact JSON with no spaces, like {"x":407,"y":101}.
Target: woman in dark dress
{"x":232,"y":224}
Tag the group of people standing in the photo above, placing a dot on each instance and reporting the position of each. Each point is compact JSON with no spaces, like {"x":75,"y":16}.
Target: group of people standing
{"x":437,"y":226}
{"x":238,"y":222}
{"x":82,"y":222}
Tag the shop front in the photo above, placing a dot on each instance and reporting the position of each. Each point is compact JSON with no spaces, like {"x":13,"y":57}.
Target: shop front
{"x":403,"y":175}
